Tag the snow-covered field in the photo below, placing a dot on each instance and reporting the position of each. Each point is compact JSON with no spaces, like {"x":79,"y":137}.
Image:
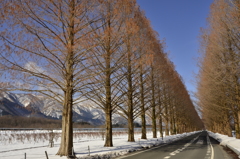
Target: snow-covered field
{"x":230,"y":142}
{"x":34,"y":143}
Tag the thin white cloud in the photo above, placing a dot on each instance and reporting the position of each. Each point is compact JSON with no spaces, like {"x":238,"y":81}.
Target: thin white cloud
{"x":32,"y":66}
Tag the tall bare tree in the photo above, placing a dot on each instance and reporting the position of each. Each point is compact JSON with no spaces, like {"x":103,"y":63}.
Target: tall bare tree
{"x":107,"y":58}
{"x":43,"y":51}
{"x":218,"y":87}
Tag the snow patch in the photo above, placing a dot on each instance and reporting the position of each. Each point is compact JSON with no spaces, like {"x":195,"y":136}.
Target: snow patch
{"x":230,"y":142}
{"x":35,"y":145}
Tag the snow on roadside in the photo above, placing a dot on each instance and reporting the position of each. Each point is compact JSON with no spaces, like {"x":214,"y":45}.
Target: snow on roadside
{"x":230,"y":142}
{"x":82,"y":146}
{"x":121,"y":146}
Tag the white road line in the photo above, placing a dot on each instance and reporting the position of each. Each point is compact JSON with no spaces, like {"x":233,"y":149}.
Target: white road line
{"x":181,"y":149}
{"x":212,"y":156}
{"x":212,"y":150}
{"x":142,"y":151}
{"x":178,"y":150}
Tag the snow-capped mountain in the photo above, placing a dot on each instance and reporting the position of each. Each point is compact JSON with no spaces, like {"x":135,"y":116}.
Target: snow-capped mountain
{"x":39,"y":106}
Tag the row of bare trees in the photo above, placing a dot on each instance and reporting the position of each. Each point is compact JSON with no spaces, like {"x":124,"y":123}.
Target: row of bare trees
{"x":219,"y":78}
{"x":103,"y":51}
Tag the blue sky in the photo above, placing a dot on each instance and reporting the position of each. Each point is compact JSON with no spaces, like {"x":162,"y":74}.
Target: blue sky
{"x":179,"y":22}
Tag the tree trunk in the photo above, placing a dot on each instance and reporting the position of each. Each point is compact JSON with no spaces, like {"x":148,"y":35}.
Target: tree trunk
{"x":160,"y":127}
{"x":227,"y":125}
{"x":237,"y":96}
{"x":229,"y":132}
{"x":177,"y":126}
{"x":171,"y":125}
{"x":108,"y":104}
{"x":67,"y":129}
{"x":160,"y":111}
{"x":67,"y":126}
{"x":130,"y":115}
{"x":130,"y":99}
{"x":130,"y":129}
{"x":143,"y":117}
{"x":174,"y":125}
{"x":166,"y":127}
{"x":154,"y":122}
{"x":237,"y":125}
{"x":108,"y":125}
{"x":166,"y":121}
{"x":144,"y":130}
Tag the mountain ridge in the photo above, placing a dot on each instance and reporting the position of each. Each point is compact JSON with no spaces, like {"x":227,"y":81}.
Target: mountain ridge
{"x":38,"y":106}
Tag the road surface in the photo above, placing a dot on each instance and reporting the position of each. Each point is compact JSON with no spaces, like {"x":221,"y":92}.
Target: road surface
{"x":197,"y":146}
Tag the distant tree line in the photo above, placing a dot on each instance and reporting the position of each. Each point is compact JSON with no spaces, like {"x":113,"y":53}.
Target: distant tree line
{"x":219,"y":77}
{"x":103,"y":51}
{"x":9,"y":121}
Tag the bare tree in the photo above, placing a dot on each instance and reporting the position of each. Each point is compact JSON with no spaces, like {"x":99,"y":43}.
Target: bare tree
{"x":43,"y":51}
{"x":107,"y":59}
{"x":218,"y":87}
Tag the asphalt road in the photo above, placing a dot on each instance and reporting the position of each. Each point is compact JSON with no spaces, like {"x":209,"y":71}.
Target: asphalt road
{"x":197,"y":146}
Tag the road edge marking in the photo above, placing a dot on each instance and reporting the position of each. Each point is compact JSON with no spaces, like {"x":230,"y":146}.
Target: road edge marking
{"x":184,"y":147}
{"x":152,"y":148}
{"x":212,"y":154}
